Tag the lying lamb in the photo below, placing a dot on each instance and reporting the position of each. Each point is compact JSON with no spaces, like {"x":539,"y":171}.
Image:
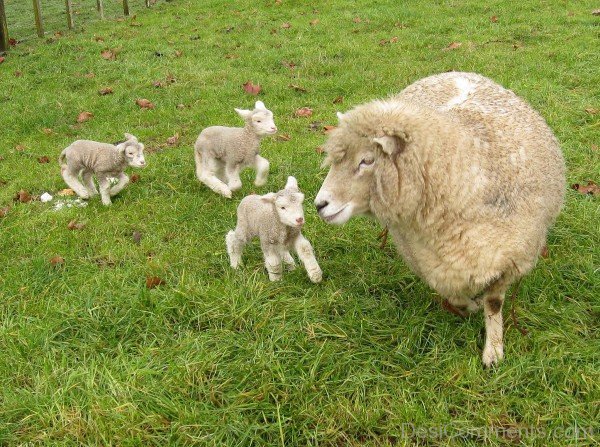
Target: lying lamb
{"x":106,"y":161}
{"x":222,"y":152}
{"x":467,"y":177}
{"x":276,"y":218}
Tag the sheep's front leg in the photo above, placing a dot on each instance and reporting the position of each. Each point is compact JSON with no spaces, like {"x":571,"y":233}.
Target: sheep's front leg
{"x":74,"y":183}
{"x":262,"y":170}
{"x":207,"y":175}
{"x":288,"y":260}
{"x":235,"y":247}
{"x":493,"y":299}
{"x":307,"y":256}
{"x":123,"y":180}
{"x":104,"y":185}
{"x":272,"y":254}
{"x":232,"y":173}
{"x":88,"y":181}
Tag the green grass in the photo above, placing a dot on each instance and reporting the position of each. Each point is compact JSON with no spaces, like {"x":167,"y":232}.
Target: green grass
{"x":89,"y":356}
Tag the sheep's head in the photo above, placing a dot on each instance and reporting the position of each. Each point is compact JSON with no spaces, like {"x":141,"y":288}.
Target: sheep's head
{"x":260,"y":119}
{"x":288,"y":204}
{"x":133,"y":151}
{"x":361,"y":153}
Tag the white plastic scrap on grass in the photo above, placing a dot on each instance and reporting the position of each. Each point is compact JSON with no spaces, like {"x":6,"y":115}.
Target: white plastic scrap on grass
{"x":45,"y":197}
{"x":69,"y":203}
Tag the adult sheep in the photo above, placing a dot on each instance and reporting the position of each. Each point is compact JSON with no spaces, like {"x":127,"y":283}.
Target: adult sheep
{"x":466,"y":176}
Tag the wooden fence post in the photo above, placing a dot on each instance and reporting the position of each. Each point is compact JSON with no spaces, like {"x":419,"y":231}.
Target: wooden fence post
{"x":126,"y":7}
{"x":69,"y":13}
{"x":37,"y":12}
{"x":100,"y":8}
{"x":3,"y":28}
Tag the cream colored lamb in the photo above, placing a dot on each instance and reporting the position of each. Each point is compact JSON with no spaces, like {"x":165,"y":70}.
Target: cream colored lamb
{"x":276,"y":219}
{"x":222,"y":152}
{"x":467,"y":177}
{"x":88,"y":158}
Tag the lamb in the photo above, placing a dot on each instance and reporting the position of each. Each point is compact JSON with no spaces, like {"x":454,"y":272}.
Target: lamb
{"x":276,"y":219}
{"x":106,"y":161}
{"x":222,"y":152}
{"x":466,"y":176}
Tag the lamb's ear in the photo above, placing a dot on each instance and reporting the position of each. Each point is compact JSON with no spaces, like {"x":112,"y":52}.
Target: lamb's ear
{"x":260,"y":105}
{"x":340,"y":116}
{"x":245,"y":114}
{"x":292,"y":183}
{"x":269,"y":198}
{"x":391,"y":144}
{"x":121,"y":147}
{"x":129,"y":137}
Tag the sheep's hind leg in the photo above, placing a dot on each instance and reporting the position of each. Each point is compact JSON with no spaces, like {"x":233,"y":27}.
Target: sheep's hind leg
{"x":288,"y":260}
{"x":207,"y":175}
{"x":262,"y":170}
{"x":307,"y":256}
{"x":272,"y":261}
{"x":74,"y":183}
{"x":104,"y":185}
{"x":123,"y":180}
{"x":235,"y":247}
{"x":232,"y":173}
{"x":88,"y":182}
{"x":493,"y":299}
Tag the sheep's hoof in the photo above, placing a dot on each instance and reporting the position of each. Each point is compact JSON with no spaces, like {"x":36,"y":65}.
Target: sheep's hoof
{"x":261,"y":182}
{"x":226,"y":193}
{"x":492,"y":355}
{"x":235,"y":186}
{"x":84,"y":195}
{"x":316,"y":277}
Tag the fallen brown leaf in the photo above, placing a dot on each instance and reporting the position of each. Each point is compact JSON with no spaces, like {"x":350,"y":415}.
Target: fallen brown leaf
{"x":137,"y":237}
{"x":494,"y":19}
{"x":43,"y":159}
{"x":338,"y":100}
{"x":171,"y":141}
{"x":298,"y":88}
{"x":327,"y":129}
{"x":99,"y":39}
{"x":288,"y":64}
{"x":157,"y":84}
{"x":106,"y":91}
{"x":66,"y":192}
{"x":134,"y":178}
{"x":286,"y":25}
{"x":319,"y":150}
{"x":89,"y":75}
{"x":4,"y":211}
{"x":13,"y":42}
{"x":47,"y":131}
{"x":20,"y":148}
{"x":153,"y":281}
{"x":57,"y":260}
{"x":84,"y":116}
{"x":74,"y":225}
{"x":591,"y":188}
{"x":284,"y":137}
{"x":178,"y":53}
{"x":144,"y":104}
{"x":304,"y":111}
{"x":357,"y":20}
{"x":2,"y":59}
{"x":452,"y":46}
{"x":253,"y":89}
{"x":595,"y":147}
{"x":18,"y":74}
{"x":231,"y":56}
{"x":180,"y":106}
{"x":544,"y":253}
{"x":314,"y":22}
{"x":108,"y":55}
{"x":23,"y":196}
{"x":592,"y":110}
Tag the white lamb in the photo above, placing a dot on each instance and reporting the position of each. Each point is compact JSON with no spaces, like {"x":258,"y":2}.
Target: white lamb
{"x":222,"y":152}
{"x":87,"y":158}
{"x":467,"y":177}
{"x":277,"y":219}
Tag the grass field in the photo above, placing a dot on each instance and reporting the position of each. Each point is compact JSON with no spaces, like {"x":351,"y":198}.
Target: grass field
{"x":90,"y":356}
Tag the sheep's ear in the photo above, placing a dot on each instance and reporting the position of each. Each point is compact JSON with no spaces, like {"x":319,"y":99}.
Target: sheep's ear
{"x":121,"y":147}
{"x":128,"y":137}
{"x":292,"y":183}
{"x":340,"y":116}
{"x":260,"y":105}
{"x":269,"y":198}
{"x":245,"y":114}
{"x":391,"y":144}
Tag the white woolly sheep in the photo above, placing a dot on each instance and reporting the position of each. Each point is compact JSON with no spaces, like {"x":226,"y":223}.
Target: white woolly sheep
{"x":467,"y":177}
{"x":276,"y":219}
{"x":222,"y":152}
{"x":85,"y":158}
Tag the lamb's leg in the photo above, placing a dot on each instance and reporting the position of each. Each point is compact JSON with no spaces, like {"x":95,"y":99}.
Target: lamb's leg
{"x":288,"y":260}
{"x":307,"y":256}
{"x":104,"y":185}
{"x":88,"y":182}
{"x":493,"y":299}
{"x":232,"y":174}
{"x":206,"y":174}
{"x":272,"y":261}
{"x":262,"y":170}
{"x":235,"y":247}
{"x":123,"y":180}
{"x":71,"y":179}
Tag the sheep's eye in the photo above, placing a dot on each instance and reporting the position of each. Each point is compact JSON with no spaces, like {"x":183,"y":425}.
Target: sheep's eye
{"x":365,"y":162}
{"x":258,"y":121}
{"x":283,"y":207}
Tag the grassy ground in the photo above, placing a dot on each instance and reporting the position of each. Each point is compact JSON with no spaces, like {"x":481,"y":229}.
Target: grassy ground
{"x":90,"y":356}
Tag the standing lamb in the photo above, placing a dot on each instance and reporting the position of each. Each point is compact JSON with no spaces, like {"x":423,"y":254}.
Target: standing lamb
{"x":222,"y":152}
{"x":466,"y":176}
{"x":277,"y":219}
{"x":85,"y":158}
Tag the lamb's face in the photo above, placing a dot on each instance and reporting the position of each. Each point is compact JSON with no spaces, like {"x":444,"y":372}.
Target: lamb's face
{"x":134,"y":154}
{"x":260,"y":119}
{"x":346,"y":191}
{"x":289,"y":208}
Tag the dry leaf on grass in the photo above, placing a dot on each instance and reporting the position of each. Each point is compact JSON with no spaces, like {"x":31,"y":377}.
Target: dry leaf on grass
{"x":44,"y":159}
{"x":298,"y":88}
{"x":319,"y":150}
{"x":65,"y":192}
{"x":338,"y":100}
{"x":452,"y":46}
{"x":105,"y":91}
{"x":171,"y":141}
{"x":289,"y":64}
{"x":74,"y":225}
{"x":134,"y":178}
{"x":327,"y":129}
{"x":544,"y":253}
{"x":144,"y":103}
{"x":84,"y":116}
{"x":154,"y":281}
{"x":108,"y":55}
{"x":286,"y":25}
{"x":314,"y":22}
{"x":494,"y":19}
{"x":284,"y":137}
{"x":590,"y":189}
{"x":137,"y":237}
{"x":596,"y":12}
{"x":47,"y":131}
{"x":23,"y":196}
{"x":304,"y":111}
{"x":253,"y":89}
{"x":57,"y":260}
{"x":592,"y":110}
{"x":4,"y":211}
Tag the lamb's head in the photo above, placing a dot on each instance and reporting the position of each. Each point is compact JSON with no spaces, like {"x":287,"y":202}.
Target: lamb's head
{"x":288,"y":204}
{"x":362,"y":153}
{"x":260,"y":119}
{"x":133,"y":151}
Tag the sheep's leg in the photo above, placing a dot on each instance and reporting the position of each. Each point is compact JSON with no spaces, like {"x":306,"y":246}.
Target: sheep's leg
{"x":104,"y":186}
{"x":493,"y":299}
{"x":88,"y":182}
{"x":288,"y":260}
{"x":235,"y":247}
{"x":71,"y":179}
{"x":207,"y":175}
{"x":272,"y":261}
{"x":123,"y":180}
{"x":262,"y":170}
{"x":232,"y":173}
{"x":307,"y":256}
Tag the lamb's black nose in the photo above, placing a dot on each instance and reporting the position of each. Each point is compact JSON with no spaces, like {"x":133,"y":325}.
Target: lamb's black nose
{"x":321,"y":205}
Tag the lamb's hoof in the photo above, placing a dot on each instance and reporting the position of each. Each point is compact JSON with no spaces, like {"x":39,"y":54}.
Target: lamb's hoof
{"x":227,"y":193}
{"x":492,"y":356}
{"x":260,"y":183}
{"x":235,"y":187}
{"x":106,"y":203}
{"x":84,"y":195}
{"x":316,"y":277}
{"x":274,"y":278}
{"x":234,"y":264}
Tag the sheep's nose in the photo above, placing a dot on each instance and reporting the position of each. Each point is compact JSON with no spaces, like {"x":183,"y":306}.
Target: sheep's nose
{"x":321,"y":205}
{"x":142,"y":163}
{"x":300,"y":220}
{"x":274,"y":129}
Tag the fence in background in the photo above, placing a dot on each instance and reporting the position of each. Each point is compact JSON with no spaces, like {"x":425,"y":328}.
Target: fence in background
{"x":5,"y":40}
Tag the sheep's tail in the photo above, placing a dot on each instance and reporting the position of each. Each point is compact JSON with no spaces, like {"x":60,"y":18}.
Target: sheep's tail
{"x":198,"y":158}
